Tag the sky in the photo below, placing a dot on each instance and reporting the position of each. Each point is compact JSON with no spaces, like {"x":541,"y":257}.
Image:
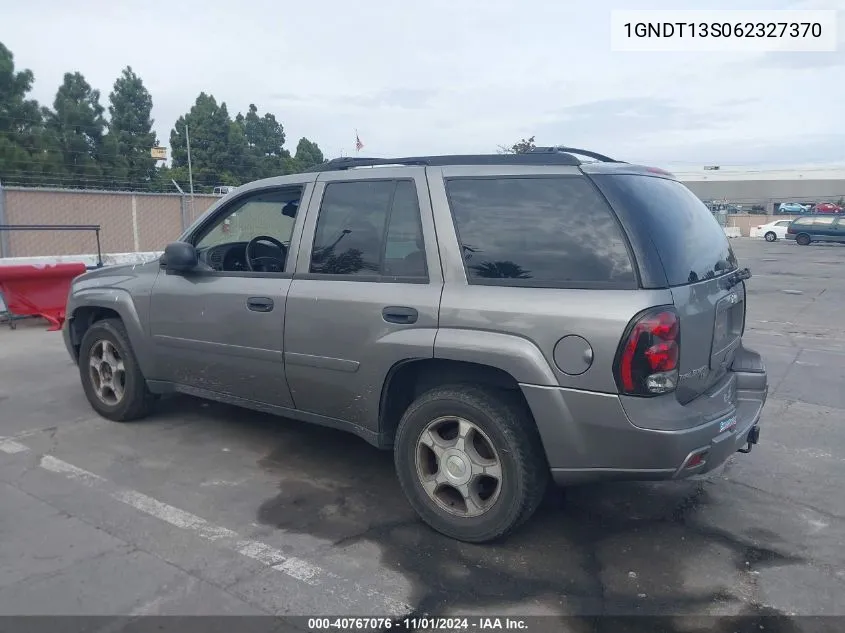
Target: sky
{"x":417,"y":77}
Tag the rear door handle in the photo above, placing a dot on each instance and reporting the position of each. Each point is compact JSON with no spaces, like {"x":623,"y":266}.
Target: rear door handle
{"x":400,"y":314}
{"x":260,"y":304}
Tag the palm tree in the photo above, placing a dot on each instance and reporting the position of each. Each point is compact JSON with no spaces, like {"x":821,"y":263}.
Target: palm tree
{"x":501,"y":270}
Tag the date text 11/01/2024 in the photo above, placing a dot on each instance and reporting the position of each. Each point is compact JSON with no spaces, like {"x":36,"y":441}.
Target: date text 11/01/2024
{"x":427,"y":623}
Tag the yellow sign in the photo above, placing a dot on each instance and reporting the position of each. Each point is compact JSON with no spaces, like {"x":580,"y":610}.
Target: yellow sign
{"x":159,"y":153}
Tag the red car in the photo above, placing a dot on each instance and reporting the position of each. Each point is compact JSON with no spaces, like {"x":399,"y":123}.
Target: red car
{"x":827,"y":207}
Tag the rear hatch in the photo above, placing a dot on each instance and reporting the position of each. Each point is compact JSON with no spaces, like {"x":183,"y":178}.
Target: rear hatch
{"x":679,"y":245}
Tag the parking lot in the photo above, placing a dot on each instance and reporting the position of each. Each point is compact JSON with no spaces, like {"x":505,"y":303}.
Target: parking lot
{"x":208,"y":509}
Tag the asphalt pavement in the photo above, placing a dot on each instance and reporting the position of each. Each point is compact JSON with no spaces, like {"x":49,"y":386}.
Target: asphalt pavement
{"x":205,"y":509}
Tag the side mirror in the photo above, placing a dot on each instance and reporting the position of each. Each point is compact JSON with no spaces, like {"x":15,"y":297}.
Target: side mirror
{"x":180,"y":256}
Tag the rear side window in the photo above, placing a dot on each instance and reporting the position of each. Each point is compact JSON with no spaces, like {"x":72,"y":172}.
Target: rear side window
{"x":824,"y":221}
{"x":803,"y":221}
{"x":553,"y":232}
{"x":690,"y":243}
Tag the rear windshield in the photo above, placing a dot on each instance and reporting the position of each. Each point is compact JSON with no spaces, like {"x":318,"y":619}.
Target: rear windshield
{"x":691,"y":244}
{"x":546,"y":232}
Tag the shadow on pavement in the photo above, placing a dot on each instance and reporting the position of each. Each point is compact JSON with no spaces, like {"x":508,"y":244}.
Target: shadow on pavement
{"x":612,"y":549}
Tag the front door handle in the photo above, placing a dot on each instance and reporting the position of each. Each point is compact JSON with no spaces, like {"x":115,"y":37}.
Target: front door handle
{"x":260,"y":304}
{"x":400,"y":314}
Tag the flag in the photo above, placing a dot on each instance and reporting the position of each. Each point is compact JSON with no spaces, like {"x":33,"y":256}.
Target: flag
{"x":358,"y":144}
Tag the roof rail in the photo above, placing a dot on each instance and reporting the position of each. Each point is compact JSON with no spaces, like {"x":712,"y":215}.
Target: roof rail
{"x":560,"y":149}
{"x":549,"y":156}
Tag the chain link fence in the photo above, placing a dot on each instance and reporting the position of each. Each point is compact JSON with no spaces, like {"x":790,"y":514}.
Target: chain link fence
{"x":129,"y":221}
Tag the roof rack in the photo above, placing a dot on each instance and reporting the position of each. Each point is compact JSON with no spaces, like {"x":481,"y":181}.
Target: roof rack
{"x":560,"y":149}
{"x":538,"y":156}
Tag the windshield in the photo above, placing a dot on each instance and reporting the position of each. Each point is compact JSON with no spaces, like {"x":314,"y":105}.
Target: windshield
{"x":691,"y":244}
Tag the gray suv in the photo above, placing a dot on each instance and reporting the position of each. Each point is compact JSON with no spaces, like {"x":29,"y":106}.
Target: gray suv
{"x":497,"y":321}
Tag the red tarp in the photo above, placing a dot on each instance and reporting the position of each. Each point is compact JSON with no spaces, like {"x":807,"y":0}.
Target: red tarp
{"x":35,"y":290}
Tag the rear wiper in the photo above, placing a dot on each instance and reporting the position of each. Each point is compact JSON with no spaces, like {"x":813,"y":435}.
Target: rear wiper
{"x":736,"y":277}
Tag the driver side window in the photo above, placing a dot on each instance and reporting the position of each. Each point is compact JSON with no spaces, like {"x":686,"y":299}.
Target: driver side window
{"x":237,"y":240}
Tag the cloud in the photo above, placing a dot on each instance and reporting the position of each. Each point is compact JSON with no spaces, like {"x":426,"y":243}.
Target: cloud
{"x":635,"y":119}
{"x":801,"y":61}
{"x":402,"y":98}
{"x":801,"y":150}
{"x":445,"y":76}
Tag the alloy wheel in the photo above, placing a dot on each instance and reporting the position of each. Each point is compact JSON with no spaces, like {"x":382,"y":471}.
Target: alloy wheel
{"x":458,"y":466}
{"x":107,"y":371}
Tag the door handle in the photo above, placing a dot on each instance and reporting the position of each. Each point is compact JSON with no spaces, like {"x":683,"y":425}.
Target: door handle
{"x":399,"y":314}
{"x":260,"y":304}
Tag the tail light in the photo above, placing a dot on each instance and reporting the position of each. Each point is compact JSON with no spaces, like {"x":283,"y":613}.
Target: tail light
{"x":648,"y":357}
{"x":790,"y":229}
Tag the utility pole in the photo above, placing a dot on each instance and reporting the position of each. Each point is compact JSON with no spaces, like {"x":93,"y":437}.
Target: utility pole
{"x":190,"y":171}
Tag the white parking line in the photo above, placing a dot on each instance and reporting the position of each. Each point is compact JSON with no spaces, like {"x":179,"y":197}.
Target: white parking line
{"x":293,"y":567}
{"x":273,"y":558}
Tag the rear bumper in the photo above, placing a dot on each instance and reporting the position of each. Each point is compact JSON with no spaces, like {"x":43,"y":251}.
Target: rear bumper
{"x":591,"y":437}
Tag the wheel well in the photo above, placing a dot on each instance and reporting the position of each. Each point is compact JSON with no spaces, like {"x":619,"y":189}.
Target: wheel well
{"x":84,"y":318}
{"x":409,"y":379}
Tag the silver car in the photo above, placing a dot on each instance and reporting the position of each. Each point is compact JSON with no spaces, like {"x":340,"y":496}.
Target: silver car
{"x":498,"y":322}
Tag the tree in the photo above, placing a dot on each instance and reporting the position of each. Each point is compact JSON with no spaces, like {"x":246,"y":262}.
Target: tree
{"x":78,"y":125}
{"x":523,"y":146}
{"x":265,"y":139}
{"x":23,"y":140}
{"x":264,"y":135}
{"x":126,"y":151}
{"x":501,"y":270}
{"x":73,"y":144}
{"x":218,"y":145}
{"x":307,"y":155}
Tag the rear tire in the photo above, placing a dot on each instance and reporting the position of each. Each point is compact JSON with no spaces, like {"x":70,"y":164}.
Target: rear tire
{"x":111,"y":377}
{"x":803,"y":239}
{"x":770,"y":236}
{"x":488,"y":474}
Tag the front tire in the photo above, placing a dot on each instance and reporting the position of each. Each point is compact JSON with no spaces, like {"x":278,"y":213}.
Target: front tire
{"x":470,"y":461}
{"x":770,"y":236}
{"x":803,"y":239}
{"x":111,"y":377}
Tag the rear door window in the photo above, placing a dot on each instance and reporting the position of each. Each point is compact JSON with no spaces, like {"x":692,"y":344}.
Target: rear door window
{"x":369,"y":229}
{"x":690,"y":243}
{"x":553,"y":232}
{"x":349,"y":239}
